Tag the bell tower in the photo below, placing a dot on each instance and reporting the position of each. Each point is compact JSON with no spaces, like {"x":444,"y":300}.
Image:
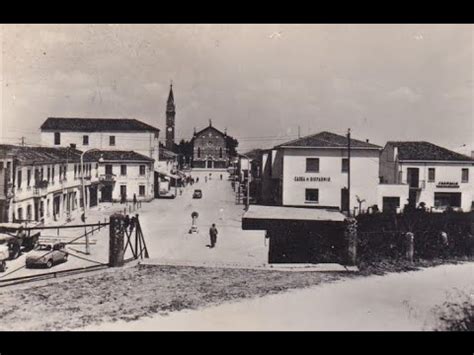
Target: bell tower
{"x":170,"y":114}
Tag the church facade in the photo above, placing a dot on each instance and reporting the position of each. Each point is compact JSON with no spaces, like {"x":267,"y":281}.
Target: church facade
{"x":210,"y":149}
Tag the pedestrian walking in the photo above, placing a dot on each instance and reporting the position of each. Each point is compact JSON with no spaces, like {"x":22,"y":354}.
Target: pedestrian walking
{"x":213,"y":235}
{"x":221,"y":176}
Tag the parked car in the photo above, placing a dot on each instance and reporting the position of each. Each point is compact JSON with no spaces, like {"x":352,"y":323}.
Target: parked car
{"x":197,"y":194}
{"x":23,"y":239}
{"x":47,"y":254}
{"x":4,"y":256}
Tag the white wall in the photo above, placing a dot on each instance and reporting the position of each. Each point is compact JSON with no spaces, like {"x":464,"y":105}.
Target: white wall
{"x":132,"y":180}
{"x":364,"y":176}
{"x":444,"y":172}
{"x":392,"y":190}
{"x":141,"y":142}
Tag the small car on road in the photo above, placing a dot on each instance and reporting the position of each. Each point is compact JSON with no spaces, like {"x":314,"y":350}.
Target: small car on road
{"x":197,"y":193}
{"x":47,"y":255}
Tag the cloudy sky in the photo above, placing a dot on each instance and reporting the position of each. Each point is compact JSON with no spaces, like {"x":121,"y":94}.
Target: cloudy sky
{"x":261,"y":82}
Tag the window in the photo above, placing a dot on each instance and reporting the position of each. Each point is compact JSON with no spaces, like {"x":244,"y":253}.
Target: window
{"x":49,"y":173}
{"x":19,"y":179}
{"x":57,"y":138}
{"x":447,"y":199}
{"x":123,"y":170}
{"x":312,"y":165}
{"x":465,"y":175}
{"x":199,"y":152}
{"x":85,"y":140}
{"x":28,"y":177}
{"x":345,"y":165}
{"x":52,"y":174}
{"x":29,"y":216}
{"x":123,"y":191}
{"x":75,"y":171}
{"x":142,"y":169}
{"x":431,"y":174}
{"x":20,"y":213}
{"x":141,"y":190}
{"x":64,"y":172}
{"x":312,"y":195}
{"x":220,"y":152}
{"x":60,"y":172}
{"x":112,"y":140}
{"x":108,"y":169}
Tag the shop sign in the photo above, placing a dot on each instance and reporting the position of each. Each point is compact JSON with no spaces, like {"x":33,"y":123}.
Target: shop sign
{"x":312,"y":178}
{"x":447,"y":184}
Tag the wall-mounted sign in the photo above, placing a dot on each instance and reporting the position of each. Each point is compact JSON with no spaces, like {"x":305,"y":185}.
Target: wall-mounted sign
{"x":312,"y":178}
{"x":447,"y":184}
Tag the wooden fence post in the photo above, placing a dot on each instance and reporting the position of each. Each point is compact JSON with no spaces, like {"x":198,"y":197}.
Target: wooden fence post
{"x":116,"y":238}
{"x":351,"y":237}
{"x":410,"y":246}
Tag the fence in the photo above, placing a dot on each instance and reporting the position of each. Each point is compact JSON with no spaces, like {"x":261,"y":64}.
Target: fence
{"x":384,"y":236}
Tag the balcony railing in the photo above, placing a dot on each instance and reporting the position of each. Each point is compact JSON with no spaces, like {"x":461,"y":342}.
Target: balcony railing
{"x":107,"y":177}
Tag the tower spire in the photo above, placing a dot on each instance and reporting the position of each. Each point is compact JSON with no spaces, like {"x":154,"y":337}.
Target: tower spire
{"x":170,"y":119}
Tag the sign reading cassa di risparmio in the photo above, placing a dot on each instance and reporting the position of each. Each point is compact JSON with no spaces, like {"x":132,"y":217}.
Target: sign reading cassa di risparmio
{"x":312,"y":178}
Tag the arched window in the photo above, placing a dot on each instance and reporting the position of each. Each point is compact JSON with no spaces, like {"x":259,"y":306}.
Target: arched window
{"x":199,"y":152}
{"x":220,"y":152}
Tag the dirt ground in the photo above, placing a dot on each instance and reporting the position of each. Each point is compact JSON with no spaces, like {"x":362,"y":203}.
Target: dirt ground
{"x":141,"y":291}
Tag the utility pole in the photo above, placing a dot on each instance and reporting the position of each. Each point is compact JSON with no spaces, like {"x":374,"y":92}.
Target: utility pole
{"x":22,"y":141}
{"x":349,"y":171}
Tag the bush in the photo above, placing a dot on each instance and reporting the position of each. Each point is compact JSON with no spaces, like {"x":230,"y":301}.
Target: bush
{"x":456,"y":316}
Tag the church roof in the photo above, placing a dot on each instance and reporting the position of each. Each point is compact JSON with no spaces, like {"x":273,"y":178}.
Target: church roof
{"x":211,"y":127}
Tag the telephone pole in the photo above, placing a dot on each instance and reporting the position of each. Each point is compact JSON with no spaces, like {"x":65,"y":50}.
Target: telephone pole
{"x":22,"y":141}
{"x":349,"y":171}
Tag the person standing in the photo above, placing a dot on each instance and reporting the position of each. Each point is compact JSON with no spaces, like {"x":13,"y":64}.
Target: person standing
{"x":134,"y":201}
{"x":213,"y":235}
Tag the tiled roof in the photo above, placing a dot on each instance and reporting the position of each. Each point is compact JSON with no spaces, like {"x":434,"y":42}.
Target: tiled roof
{"x":209,"y":128}
{"x":118,"y":155}
{"x":254,"y":153}
{"x":96,"y":125}
{"x":327,"y":140}
{"x":43,"y":155}
{"x":426,"y":151}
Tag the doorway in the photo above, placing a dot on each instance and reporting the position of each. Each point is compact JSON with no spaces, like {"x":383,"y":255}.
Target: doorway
{"x":209,"y":164}
{"x":106,"y":193}
{"x":344,"y":200}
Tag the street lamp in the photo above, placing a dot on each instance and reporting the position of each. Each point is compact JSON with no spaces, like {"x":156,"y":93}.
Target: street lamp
{"x":84,"y":192}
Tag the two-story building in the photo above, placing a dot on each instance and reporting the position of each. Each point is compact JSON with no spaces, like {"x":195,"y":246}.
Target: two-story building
{"x":46,"y":184}
{"x":168,"y":173}
{"x":312,"y":171}
{"x":124,"y":175}
{"x":435,"y":176}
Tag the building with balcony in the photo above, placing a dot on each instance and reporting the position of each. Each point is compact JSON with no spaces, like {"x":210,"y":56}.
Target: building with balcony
{"x":123,"y":174}
{"x":44,"y":184}
{"x":435,"y":176}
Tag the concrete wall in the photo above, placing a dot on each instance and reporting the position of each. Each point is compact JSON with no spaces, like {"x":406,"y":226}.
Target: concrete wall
{"x":364,"y":177}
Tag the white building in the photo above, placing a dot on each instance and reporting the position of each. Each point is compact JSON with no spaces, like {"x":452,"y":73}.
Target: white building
{"x":433,"y":175}
{"x":167,"y":170}
{"x":123,"y":175}
{"x":313,"y":172}
{"x":45,"y":184}
{"x":102,"y":133}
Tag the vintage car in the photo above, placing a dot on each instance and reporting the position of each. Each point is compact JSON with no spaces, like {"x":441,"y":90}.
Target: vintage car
{"x":197,"y":194}
{"x":47,"y":255}
{"x":4,"y":256}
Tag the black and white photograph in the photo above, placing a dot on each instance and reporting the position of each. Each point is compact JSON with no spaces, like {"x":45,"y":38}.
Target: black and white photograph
{"x":236,"y":177}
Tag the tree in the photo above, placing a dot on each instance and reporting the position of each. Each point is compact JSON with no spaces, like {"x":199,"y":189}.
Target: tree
{"x":231,"y":145}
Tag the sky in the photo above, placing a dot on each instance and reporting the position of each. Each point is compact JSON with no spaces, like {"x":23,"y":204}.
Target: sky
{"x":263,"y":83}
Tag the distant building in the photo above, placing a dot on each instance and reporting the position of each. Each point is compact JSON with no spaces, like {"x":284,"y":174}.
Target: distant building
{"x":312,"y":171}
{"x":45,"y":184}
{"x":170,"y":121}
{"x":436,"y":176}
{"x":168,"y":170}
{"x":123,"y":175}
{"x":210,"y":149}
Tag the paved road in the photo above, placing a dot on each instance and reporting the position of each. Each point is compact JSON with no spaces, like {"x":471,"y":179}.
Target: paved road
{"x":402,"y":301}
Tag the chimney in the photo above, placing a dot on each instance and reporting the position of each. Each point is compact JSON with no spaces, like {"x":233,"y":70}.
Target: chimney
{"x":367,"y":140}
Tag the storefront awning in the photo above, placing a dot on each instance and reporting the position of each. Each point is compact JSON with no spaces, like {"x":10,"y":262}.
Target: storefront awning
{"x":168,"y":175}
{"x":267,"y":217}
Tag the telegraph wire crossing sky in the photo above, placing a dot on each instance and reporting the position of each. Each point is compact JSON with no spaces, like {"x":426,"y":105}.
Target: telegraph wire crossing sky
{"x":385,"y":82}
